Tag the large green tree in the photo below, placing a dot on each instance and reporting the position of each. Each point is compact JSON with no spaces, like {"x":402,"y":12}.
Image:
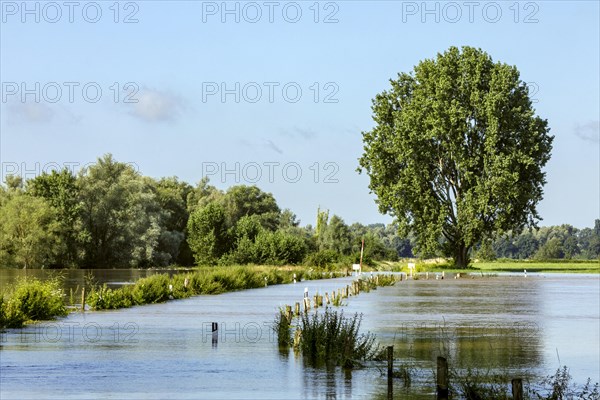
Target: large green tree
{"x":29,"y":232}
{"x":242,"y":200}
{"x":60,"y":190}
{"x":207,"y":234}
{"x":457,"y":152}
{"x":124,"y":220}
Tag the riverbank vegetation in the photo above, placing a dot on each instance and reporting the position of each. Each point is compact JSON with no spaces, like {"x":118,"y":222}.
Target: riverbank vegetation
{"x":327,"y":339}
{"x":31,"y":300}
{"x":474,"y":384}
{"x":492,"y":267}
{"x":330,"y":338}
{"x":207,"y":280}
{"x":109,"y":215}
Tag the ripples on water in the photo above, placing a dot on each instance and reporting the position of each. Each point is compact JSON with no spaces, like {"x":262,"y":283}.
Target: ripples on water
{"x":509,"y":324}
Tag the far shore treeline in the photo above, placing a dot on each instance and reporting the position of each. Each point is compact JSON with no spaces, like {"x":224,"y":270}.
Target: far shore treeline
{"x":111,"y":216}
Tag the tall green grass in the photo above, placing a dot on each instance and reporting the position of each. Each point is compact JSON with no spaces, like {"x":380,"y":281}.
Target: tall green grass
{"x":32,"y":300}
{"x":206,"y":280}
{"x":332,"y":339}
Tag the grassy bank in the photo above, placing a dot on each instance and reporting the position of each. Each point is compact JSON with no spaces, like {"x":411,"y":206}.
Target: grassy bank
{"x":534,"y":266}
{"x":204,"y":280}
{"x":30,"y":299}
{"x":558,"y":266}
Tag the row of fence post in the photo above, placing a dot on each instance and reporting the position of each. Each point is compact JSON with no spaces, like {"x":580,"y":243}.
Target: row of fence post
{"x":442,"y":379}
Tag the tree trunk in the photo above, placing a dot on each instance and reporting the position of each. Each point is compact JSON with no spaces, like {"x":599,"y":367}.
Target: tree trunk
{"x":461,"y":255}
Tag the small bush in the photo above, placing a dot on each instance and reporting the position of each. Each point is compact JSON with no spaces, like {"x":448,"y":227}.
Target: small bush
{"x":38,"y":300}
{"x":153,"y":289}
{"x":104,"y":298}
{"x":10,"y":316}
{"x":322,"y":258}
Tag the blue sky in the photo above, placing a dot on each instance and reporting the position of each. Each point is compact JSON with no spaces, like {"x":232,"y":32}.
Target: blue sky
{"x":283,"y":91}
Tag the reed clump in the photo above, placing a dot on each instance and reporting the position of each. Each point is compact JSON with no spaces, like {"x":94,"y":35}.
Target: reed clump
{"x":332,"y":339}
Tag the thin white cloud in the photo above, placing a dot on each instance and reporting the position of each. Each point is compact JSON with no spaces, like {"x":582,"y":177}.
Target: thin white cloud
{"x":155,"y":106}
{"x":34,"y":113}
{"x":589,"y":132}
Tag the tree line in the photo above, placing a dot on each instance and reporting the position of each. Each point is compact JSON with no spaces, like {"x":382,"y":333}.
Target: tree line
{"x":111,"y":216}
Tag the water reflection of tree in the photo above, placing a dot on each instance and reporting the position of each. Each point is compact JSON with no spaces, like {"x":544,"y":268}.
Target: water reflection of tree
{"x":479,"y":345}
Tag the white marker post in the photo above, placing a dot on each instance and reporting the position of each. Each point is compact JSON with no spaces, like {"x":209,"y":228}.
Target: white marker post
{"x":411,"y":269}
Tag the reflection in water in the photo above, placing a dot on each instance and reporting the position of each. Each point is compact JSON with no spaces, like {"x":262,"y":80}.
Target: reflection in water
{"x":151,"y":352}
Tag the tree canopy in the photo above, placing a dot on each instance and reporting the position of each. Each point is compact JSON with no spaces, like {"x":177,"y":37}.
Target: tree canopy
{"x":457,"y":152}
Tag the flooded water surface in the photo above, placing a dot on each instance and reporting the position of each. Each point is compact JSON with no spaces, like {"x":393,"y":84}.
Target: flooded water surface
{"x":514,"y":324}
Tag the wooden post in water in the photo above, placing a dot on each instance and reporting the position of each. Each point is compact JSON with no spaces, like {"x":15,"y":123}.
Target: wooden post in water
{"x":297,"y":309}
{"x":288,"y":312}
{"x":215,"y":333}
{"x":316,"y":298}
{"x":83,"y":299}
{"x":297,"y":335}
{"x":442,"y":379}
{"x":306,"y":304}
{"x":326,"y":298}
{"x":390,"y":371}
{"x":517,"y":389}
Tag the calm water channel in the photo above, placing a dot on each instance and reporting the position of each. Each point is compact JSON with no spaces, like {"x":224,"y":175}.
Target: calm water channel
{"x":508,"y":323}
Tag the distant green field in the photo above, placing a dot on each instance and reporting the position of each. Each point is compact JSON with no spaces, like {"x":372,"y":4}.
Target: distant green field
{"x":501,"y":266}
{"x":581,"y":267}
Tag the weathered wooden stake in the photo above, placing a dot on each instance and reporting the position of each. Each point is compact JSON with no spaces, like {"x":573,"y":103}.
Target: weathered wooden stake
{"x":390,"y":371}
{"x":297,"y":335}
{"x":215,"y":333}
{"x":83,"y":299}
{"x":297,"y":309}
{"x":316,"y":299}
{"x":442,"y":379}
{"x":517,"y":389}
{"x":288,"y":312}
{"x":326,"y":298}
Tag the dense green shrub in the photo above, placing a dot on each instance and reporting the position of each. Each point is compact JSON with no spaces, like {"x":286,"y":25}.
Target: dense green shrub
{"x":207,"y":280}
{"x":322,"y":258}
{"x":274,"y":248}
{"x":38,"y":300}
{"x":10,"y":316}
{"x":104,"y":298}
{"x":152,"y":289}
{"x":203,"y":283}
